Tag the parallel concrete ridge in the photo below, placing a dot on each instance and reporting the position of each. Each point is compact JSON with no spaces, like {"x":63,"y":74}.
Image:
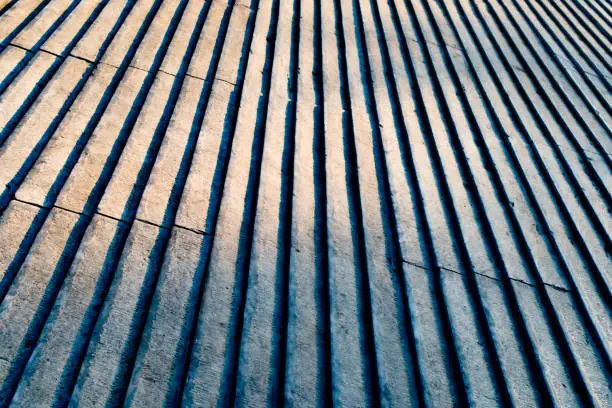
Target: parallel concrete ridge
{"x":387,"y":203}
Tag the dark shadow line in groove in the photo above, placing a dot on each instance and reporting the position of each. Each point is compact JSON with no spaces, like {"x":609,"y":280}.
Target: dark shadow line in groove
{"x":582,"y":197}
{"x":30,"y":339}
{"x":137,"y":338}
{"x":24,"y":23}
{"x":13,"y":185}
{"x":605,"y":62}
{"x":589,"y":169}
{"x":551,"y":313}
{"x":574,"y":368}
{"x":322,"y":276}
{"x":589,"y":29}
{"x":604,"y":78}
{"x":555,"y":82}
{"x":22,"y":252}
{"x":389,"y":221}
{"x":190,"y":325}
{"x":539,"y":216}
{"x":231,"y":386}
{"x":410,"y":170}
{"x":40,"y":85}
{"x":593,"y":139}
{"x":70,"y":373}
{"x":68,"y":377}
{"x":9,"y":193}
{"x":99,"y":188}
{"x":284,"y":241}
{"x":32,"y":52}
{"x":566,"y":215}
{"x":497,"y":183}
{"x":606,"y":8}
{"x":586,"y":77}
{"x":593,"y":9}
{"x":101,"y":108}
{"x":189,"y":330}
{"x":460,"y":387}
{"x":589,"y":12}
{"x":34,"y":330}
{"x":484,"y":326}
{"x":568,"y":219}
{"x":7,"y":7}
{"x":355,"y":215}
{"x":605,"y":5}
{"x":410,"y":173}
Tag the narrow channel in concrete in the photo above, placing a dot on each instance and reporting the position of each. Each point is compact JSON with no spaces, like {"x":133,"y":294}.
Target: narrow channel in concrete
{"x":306,"y":203}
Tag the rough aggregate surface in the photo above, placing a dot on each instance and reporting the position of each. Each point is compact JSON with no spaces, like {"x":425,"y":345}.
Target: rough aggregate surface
{"x":307,"y":203}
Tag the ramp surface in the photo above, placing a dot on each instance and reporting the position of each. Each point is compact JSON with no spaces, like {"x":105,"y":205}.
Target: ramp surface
{"x":305,"y":203}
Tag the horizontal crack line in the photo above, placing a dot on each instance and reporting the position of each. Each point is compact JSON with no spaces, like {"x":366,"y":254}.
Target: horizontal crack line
{"x":121,"y":220}
{"x":204,"y":233}
{"x":550,"y":285}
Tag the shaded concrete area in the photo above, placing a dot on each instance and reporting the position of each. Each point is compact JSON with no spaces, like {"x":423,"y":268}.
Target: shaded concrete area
{"x":305,"y":203}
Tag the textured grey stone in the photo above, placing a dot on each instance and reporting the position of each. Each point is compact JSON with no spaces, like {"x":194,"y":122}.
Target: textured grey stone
{"x":433,"y":229}
{"x":41,"y":384}
{"x":21,"y":304}
{"x":19,"y":89}
{"x":17,"y":148}
{"x":40,"y":178}
{"x":124,"y":177}
{"x":104,"y":367}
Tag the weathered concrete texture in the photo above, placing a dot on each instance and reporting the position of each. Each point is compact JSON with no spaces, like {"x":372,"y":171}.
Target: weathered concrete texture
{"x":305,"y":203}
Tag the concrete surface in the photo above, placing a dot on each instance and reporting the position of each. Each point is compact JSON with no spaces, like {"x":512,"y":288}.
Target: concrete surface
{"x":305,"y":203}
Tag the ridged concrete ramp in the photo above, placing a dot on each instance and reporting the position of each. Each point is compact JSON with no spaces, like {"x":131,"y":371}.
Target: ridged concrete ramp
{"x":305,"y":203}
